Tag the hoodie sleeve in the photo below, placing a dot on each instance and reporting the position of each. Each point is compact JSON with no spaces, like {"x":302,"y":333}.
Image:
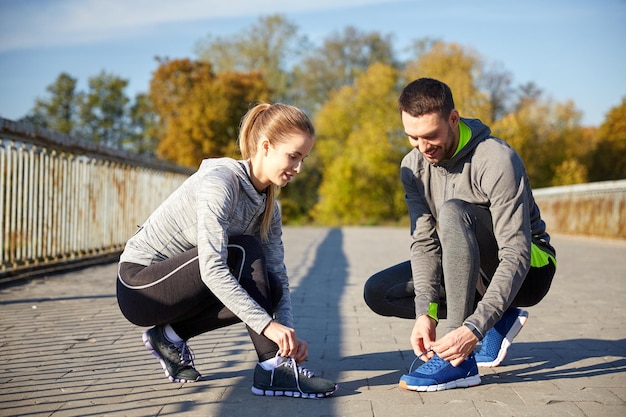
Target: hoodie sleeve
{"x":215,"y":207}
{"x":505,"y":183}
{"x":275,"y":254}
{"x":425,"y":247}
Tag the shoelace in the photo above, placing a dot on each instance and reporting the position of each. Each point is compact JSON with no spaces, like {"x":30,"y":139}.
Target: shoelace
{"x":185,"y":353}
{"x":432,"y":364}
{"x":289,"y":362}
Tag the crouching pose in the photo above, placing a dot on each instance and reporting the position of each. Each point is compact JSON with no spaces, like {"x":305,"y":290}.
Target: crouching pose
{"x":479,"y":248}
{"x":212,"y":255}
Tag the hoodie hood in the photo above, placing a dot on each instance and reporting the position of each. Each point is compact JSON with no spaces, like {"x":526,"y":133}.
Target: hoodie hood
{"x":480,"y":132}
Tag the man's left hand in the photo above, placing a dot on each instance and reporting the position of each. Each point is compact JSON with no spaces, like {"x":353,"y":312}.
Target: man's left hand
{"x":455,"y":346}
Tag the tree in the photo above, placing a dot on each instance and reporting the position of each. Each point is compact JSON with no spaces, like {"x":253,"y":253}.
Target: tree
{"x":199,"y":111}
{"x":342,"y":58}
{"x":58,"y":111}
{"x":570,"y":172}
{"x":549,"y":139}
{"x":527,"y":93}
{"x":268,"y":47}
{"x":608,"y":158}
{"x":359,"y":152}
{"x":102,"y":110}
{"x":462,"y":70}
{"x":142,"y":129}
{"x":497,"y":82}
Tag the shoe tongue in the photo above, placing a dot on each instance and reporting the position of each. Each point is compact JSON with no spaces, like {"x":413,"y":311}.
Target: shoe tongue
{"x":274,"y":362}
{"x":435,"y":363}
{"x":285,"y":360}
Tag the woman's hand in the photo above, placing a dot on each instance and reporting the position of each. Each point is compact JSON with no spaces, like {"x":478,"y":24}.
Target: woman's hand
{"x":287,"y":341}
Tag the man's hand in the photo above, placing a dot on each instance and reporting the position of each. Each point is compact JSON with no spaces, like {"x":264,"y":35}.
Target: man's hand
{"x":422,"y":336}
{"x":455,"y":346}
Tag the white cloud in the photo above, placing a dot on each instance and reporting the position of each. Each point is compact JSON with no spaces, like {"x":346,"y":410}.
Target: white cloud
{"x":26,"y":24}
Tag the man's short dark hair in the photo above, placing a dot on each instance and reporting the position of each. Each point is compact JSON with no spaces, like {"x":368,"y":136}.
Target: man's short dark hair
{"x":426,"y":95}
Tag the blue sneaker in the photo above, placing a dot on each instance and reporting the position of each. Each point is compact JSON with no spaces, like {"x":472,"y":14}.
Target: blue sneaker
{"x":438,"y":375}
{"x":499,"y":338}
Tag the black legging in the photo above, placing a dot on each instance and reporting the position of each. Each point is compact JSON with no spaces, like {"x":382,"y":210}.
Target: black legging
{"x":391,"y":293}
{"x":172,"y":292}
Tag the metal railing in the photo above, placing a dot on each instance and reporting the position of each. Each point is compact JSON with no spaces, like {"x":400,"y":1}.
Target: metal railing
{"x":593,"y":209}
{"x":64,"y":201}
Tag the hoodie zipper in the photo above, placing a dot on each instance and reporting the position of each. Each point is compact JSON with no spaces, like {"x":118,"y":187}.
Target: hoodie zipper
{"x":447,"y":197}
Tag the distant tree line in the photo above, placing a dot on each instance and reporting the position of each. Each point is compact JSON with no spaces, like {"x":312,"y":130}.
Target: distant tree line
{"x":349,"y":85}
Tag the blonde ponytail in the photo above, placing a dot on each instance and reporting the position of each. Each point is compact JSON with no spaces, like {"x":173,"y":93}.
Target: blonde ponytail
{"x":274,"y":122}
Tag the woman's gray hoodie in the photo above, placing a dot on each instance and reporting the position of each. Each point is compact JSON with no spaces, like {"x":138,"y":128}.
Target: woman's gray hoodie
{"x":216,"y":202}
{"x":488,"y":173}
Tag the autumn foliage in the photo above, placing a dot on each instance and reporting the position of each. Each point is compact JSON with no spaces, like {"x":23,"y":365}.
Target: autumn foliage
{"x":348,"y":84}
{"x":199,"y":111}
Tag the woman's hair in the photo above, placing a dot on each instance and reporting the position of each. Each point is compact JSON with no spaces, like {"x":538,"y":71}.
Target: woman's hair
{"x":426,"y":95}
{"x":276,"y":123}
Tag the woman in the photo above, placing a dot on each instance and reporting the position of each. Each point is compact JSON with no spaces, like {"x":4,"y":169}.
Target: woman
{"x":211,"y":255}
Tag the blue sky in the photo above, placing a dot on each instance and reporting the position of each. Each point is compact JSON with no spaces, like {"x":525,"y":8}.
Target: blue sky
{"x":572,"y":49}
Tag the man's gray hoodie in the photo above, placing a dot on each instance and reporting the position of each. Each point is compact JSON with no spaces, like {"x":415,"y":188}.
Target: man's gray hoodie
{"x":489,"y":173}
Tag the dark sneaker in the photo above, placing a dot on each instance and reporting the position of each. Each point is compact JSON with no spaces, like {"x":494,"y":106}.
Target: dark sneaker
{"x":176,"y":358}
{"x":499,"y":338}
{"x":290,"y":380}
{"x":438,"y":375}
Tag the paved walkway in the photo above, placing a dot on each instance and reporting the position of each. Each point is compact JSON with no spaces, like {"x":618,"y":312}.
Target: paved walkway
{"x":67,"y":351}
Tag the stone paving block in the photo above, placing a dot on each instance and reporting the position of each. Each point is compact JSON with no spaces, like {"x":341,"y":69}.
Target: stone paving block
{"x":559,"y":409}
{"x":453,"y":408}
{"x":68,"y":351}
{"x":620,"y":390}
{"x":600,"y":409}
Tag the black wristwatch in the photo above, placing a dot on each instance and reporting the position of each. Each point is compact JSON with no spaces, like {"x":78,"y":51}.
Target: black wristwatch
{"x":474,"y":330}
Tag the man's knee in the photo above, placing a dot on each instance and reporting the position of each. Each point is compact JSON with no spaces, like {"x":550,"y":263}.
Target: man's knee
{"x":452,"y":211}
{"x":373,"y":293}
{"x":535,"y":286}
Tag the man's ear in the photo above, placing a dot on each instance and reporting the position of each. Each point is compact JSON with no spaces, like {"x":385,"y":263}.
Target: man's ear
{"x":454,"y":117}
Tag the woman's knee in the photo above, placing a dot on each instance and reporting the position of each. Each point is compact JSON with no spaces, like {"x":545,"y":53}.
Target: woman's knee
{"x":276,"y":289}
{"x":248,"y":244}
{"x":245,"y":255}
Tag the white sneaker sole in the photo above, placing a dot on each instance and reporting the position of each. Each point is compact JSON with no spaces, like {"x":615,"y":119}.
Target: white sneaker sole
{"x":294,"y":394}
{"x":459,"y":383}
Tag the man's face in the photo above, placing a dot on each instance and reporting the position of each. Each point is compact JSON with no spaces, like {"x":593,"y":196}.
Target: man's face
{"x":434,"y":136}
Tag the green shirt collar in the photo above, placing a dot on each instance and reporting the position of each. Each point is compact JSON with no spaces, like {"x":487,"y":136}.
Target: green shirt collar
{"x":465,"y":134}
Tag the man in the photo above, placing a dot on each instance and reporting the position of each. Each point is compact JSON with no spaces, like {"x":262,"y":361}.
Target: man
{"x":480,"y":248}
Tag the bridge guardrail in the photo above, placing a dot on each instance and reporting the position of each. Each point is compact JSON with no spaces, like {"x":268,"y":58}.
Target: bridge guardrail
{"x":65,"y":201}
{"x":592,"y":209}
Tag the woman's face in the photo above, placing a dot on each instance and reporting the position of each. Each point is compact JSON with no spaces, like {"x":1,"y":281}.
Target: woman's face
{"x":283,"y":160}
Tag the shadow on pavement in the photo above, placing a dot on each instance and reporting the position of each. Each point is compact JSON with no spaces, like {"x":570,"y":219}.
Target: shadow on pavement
{"x":316,"y":306}
{"x":544,"y":361}
{"x":526,"y":361}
